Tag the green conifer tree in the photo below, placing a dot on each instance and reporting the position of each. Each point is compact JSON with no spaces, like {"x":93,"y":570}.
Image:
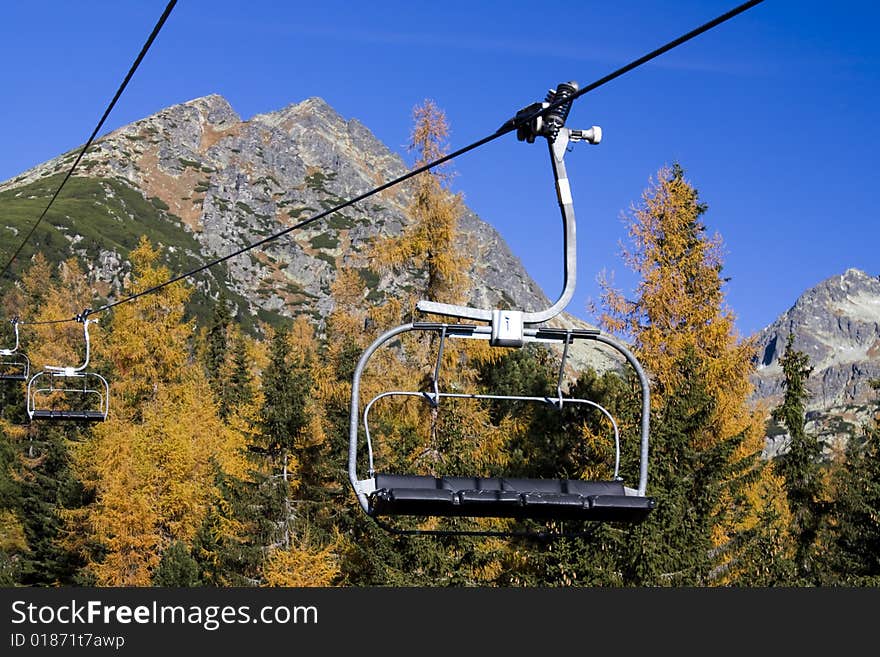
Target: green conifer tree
{"x":286,"y":386}
{"x":240,"y":388}
{"x":705,"y":468}
{"x":800,"y":465}
{"x":853,"y":549}
{"x":48,"y":487}
{"x":285,"y":422}
{"x":177,"y":567}
{"x":230,"y":545}
{"x":13,"y":544}
{"x":216,"y":353}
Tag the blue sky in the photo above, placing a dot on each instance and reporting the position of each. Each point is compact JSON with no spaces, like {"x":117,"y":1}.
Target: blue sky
{"x":772,"y":114}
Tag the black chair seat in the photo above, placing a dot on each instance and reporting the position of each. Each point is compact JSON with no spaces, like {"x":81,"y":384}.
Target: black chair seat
{"x":76,"y":416}
{"x":499,"y":497}
{"x":13,"y":377}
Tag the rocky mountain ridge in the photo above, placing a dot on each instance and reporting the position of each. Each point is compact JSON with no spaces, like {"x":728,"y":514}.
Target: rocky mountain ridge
{"x":837,"y":324}
{"x":227,"y":183}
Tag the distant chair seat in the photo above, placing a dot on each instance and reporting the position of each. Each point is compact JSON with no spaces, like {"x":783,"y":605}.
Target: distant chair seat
{"x":539,"y":499}
{"x":76,"y":416}
{"x":14,"y":367}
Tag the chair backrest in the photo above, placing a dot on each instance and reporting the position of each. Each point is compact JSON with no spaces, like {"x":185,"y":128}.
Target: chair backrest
{"x":61,"y":395}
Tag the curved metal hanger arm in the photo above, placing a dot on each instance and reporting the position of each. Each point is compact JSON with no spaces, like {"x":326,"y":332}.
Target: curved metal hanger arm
{"x":558,"y":140}
{"x":69,"y":371}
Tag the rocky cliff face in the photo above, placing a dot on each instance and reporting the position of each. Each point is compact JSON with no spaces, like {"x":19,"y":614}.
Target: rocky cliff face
{"x":837,"y":324}
{"x":230,"y":183}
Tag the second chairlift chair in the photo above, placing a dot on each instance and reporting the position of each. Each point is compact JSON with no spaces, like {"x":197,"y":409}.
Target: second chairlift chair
{"x":384,"y":495}
{"x":69,"y":393}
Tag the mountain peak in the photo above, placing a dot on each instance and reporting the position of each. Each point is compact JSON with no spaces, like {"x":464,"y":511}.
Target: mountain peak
{"x":314,"y":103}
{"x":837,"y":324}
{"x":313,"y":112}
{"x":215,"y":108}
{"x":212,"y":111}
{"x":853,"y":276}
{"x":215,"y":183}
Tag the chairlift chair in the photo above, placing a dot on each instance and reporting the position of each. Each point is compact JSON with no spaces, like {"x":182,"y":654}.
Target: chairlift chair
{"x":383,"y":495}
{"x":67,"y":393}
{"x":14,"y":364}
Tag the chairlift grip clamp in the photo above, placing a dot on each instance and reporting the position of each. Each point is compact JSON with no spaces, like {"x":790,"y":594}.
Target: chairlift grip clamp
{"x":507,"y":328}
{"x":547,"y":118}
